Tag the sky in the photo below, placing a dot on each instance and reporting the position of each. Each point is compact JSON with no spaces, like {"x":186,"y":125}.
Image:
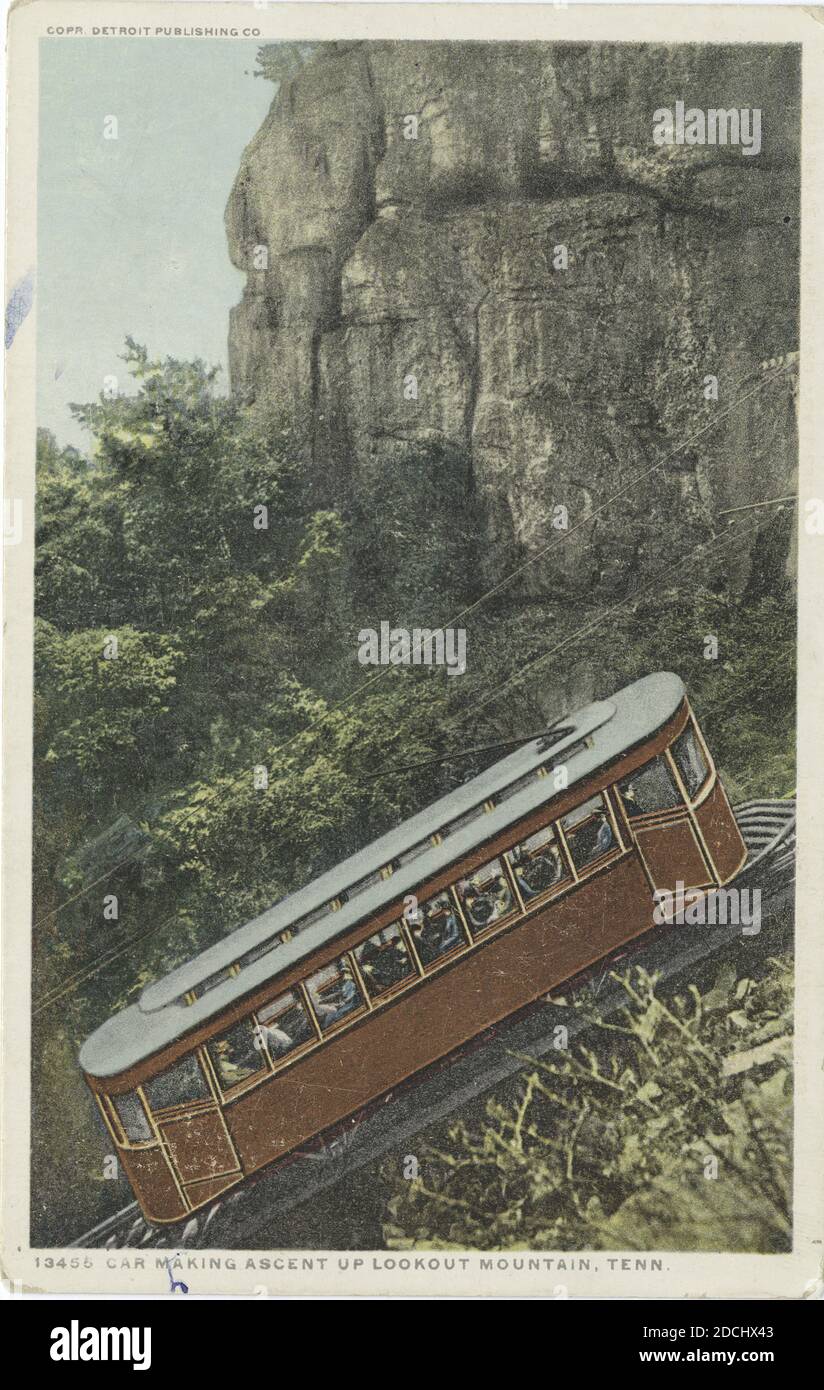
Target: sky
{"x":130,"y":230}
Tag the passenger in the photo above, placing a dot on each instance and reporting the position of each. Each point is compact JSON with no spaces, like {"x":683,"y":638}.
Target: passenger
{"x":503,"y":896}
{"x":277,"y":1039}
{"x":486,"y":905}
{"x":230,"y":1071}
{"x":535,"y":876}
{"x":340,"y":1001}
{"x":631,"y":800}
{"x":539,"y":874}
{"x":439,"y":931}
{"x":522,"y":877}
{"x":604,"y":839}
{"x":450,"y":931}
{"x":368,"y":954}
{"x":386,"y":965}
{"x":397,"y":961}
{"x":479,"y":905}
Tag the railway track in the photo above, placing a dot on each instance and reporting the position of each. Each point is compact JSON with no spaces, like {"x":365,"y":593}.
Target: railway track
{"x":768,"y":828}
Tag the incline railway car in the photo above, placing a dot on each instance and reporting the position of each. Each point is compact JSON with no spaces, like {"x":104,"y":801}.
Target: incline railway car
{"x":465,"y":913}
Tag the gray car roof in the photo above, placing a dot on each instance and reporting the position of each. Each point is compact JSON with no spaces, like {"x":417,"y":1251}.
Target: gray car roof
{"x":160,"y":1015}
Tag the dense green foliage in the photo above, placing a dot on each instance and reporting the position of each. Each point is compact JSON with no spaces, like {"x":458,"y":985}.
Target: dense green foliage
{"x":236,"y":648}
{"x":669,"y":1129}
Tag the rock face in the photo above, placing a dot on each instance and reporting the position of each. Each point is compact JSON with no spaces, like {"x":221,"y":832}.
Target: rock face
{"x":558,"y":285}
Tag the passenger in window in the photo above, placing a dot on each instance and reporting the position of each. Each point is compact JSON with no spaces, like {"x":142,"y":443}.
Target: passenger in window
{"x":537,"y":875}
{"x":588,"y":833}
{"x":283,"y":1025}
{"x":604,"y":839}
{"x":236,"y":1056}
{"x":386,"y":967}
{"x":485,"y":903}
{"x":339,"y":1001}
{"x":477,"y":904}
{"x":503,"y":895}
{"x":631,"y":800}
{"x":230,"y":1069}
{"x":439,"y":931}
{"x":384,"y":963}
{"x":277,"y":1039}
{"x":537,"y":864}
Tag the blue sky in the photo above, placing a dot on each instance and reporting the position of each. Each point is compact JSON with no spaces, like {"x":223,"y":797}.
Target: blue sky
{"x":130,"y":231}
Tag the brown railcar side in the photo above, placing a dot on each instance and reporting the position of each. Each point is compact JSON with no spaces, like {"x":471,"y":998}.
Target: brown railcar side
{"x":418,"y":1028}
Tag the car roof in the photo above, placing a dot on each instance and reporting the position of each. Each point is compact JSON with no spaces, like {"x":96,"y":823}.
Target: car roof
{"x":589,"y":738}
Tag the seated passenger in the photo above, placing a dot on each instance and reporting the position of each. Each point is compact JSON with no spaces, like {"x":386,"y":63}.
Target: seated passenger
{"x":448,"y":930}
{"x":368,"y":954}
{"x":277,"y":1039}
{"x":387,"y":965}
{"x":479,"y":907}
{"x":339,"y":1002}
{"x":439,"y":931}
{"x":486,"y":905}
{"x":538,"y":874}
{"x":502,"y":900}
{"x":631,"y":800}
{"x":230,"y":1071}
{"x":604,"y":839}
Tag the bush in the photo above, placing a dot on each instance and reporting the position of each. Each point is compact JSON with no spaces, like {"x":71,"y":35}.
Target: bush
{"x":669,"y":1129}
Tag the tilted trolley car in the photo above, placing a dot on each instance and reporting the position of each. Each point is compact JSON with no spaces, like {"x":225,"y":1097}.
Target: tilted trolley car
{"x":472,"y":909}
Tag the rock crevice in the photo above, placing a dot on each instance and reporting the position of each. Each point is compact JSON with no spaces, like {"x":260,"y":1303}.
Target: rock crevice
{"x":560,"y":286}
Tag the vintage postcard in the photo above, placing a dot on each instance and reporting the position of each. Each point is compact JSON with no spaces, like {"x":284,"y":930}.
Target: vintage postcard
{"x":413,"y":760}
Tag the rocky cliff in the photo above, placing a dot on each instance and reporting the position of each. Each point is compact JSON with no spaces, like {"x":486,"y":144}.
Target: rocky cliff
{"x":558,"y":285}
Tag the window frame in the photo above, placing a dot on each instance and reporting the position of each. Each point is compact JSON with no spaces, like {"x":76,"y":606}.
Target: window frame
{"x":614,"y":852}
{"x":705,"y":786}
{"x":223,"y":1093}
{"x":353,"y":1014}
{"x":564,"y":883}
{"x":464,"y":942}
{"x":516,"y":912}
{"x":400,"y":986}
{"x":315,"y":1037}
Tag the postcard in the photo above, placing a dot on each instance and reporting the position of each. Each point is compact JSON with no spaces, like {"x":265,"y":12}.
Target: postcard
{"x":413,"y":759}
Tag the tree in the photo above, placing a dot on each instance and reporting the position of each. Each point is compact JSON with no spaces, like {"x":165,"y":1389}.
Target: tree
{"x":234,"y":582}
{"x":104,"y":704}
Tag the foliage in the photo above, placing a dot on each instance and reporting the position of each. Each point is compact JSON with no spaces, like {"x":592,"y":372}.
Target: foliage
{"x":609,"y":1145}
{"x":102,"y":723}
{"x":236,"y":649}
{"x":415,"y":552}
{"x":744,"y":699}
{"x":278,"y":62}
